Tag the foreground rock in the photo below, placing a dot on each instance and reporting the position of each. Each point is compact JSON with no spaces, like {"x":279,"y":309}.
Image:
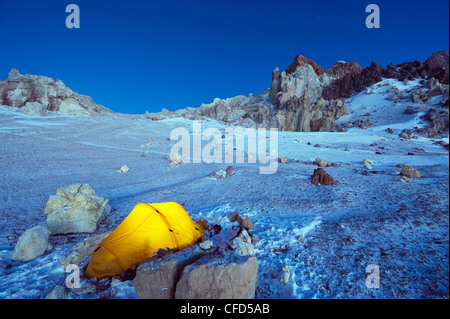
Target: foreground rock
{"x":219,"y":277}
{"x":157,"y":278}
{"x":33,"y":243}
{"x":38,"y":94}
{"x":221,"y":266}
{"x":75,"y":209}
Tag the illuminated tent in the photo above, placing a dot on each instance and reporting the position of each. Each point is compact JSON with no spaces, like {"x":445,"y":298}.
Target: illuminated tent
{"x":146,"y":229}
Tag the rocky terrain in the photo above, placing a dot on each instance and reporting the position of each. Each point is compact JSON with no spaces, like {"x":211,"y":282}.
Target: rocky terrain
{"x":361,"y":181}
{"x":307,"y":98}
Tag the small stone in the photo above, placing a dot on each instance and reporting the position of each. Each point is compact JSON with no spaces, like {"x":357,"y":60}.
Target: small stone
{"x":246,"y":223}
{"x":410,"y":172}
{"x":123,"y":169}
{"x":321,"y":163}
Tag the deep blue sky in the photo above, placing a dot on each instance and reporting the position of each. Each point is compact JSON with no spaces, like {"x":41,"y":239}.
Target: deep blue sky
{"x":132,"y":56}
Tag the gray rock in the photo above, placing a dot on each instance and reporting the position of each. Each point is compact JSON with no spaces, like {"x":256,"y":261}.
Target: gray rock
{"x":219,"y":277}
{"x":156,"y":278}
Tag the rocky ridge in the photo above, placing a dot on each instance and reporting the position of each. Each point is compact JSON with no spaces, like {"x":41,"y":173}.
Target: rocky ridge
{"x":36,"y":95}
{"x":306,"y":98}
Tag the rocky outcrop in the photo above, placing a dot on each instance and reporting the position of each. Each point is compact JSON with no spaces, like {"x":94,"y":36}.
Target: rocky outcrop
{"x":437,"y":66}
{"x":38,"y":94}
{"x":341,"y":69}
{"x":352,"y":83}
{"x":300,"y":60}
{"x":357,"y":80}
{"x":75,"y":209}
{"x":293,"y":103}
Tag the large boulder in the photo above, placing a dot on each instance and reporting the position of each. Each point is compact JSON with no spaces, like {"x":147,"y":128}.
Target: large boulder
{"x":221,"y":266}
{"x":219,"y":277}
{"x":156,"y":278}
{"x":33,"y":243}
{"x":75,"y":209}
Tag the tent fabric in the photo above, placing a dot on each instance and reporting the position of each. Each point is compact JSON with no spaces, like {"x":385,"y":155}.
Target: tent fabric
{"x":146,"y":229}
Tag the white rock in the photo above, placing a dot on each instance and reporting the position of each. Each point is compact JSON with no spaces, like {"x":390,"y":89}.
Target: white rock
{"x":75,"y":209}
{"x":33,"y":243}
{"x":284,"y":275}
{"x":123,"y":169}
{"x":243,"y":248}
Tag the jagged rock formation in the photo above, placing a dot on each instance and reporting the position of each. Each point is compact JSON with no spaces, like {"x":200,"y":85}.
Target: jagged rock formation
{"x":306,"y":97}
{"x":436,"y":66}
{"x":37,"y":94}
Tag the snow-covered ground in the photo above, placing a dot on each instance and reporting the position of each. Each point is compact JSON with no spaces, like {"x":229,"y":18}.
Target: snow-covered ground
{"x":324,"y":237}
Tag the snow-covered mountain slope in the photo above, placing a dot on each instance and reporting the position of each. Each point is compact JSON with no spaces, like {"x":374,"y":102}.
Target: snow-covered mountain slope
{"x":323,"y":237}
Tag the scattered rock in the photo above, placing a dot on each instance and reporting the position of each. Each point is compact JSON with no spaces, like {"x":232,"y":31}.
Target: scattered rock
{"x":221,"y":174}
{"x":322,"y":163}
{"x":150,"y":142}
{"x":283,"y":160}
{"x":123,"y":169}
{"x":31,"y":244}
{"x":410,"y":172}
{"x":368,"y":164}
{"x":406,"y":134}
{"x":175,"y":160}
{"x":321,"y":177}
{"x":390,"y":131}
{"x":75,"y":209}
{"x":404,"y":179}
{"x":284,"y":275}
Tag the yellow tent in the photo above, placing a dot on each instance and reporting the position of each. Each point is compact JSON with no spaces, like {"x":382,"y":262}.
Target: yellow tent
{"x":146,"y":229}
